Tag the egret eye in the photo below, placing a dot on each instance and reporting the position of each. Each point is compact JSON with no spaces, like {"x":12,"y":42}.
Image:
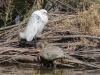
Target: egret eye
{"x":45,"y":12}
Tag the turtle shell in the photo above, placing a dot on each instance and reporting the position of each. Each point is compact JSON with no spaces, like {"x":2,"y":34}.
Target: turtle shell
{"x":51,"y":52}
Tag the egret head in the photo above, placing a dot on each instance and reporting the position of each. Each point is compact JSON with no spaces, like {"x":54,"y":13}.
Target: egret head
{"x":43,"y":11}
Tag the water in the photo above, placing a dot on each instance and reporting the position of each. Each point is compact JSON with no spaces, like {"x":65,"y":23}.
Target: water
{"x":13,"y":70}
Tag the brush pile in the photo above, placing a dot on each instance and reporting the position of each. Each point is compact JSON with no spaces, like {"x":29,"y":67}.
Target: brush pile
{"x":69,"y":31}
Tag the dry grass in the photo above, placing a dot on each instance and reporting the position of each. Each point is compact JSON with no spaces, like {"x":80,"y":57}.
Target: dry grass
{"x":89,"y":20}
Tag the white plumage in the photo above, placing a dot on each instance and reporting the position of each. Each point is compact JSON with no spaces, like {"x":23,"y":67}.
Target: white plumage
{"x":35,"y":25}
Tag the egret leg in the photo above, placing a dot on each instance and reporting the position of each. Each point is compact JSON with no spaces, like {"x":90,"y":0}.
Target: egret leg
{"x":35,"y":42}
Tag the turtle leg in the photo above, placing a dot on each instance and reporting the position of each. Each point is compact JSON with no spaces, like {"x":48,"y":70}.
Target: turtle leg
{"x":54,"y":64}
{"x":35,"y":42}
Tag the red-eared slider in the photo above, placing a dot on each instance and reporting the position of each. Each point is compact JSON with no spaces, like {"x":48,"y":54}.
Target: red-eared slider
{"x":51,"y":53}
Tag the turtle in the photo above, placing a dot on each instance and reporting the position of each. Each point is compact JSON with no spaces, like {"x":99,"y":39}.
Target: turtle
{"x":49,"y":54}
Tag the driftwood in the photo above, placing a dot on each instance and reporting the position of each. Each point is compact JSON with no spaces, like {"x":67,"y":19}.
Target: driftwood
{"x":73,"y":61}
{"x":22,"y":57}
{"x":17,"y":55}
{"x":91,"y":55}
{"x":71,"y":36}
{"x":71,"y":44}
{"x":79,"y":63}
{"x":8,"y":27}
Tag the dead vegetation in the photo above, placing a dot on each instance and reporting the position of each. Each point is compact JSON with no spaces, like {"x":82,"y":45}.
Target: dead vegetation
{"x":76,"y":33}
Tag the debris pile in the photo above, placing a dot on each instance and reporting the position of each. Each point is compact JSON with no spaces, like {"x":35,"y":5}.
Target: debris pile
{"x":80,"y":48}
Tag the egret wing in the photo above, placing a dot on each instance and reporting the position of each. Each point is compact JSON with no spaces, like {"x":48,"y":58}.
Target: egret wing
{"x":33,"y":27}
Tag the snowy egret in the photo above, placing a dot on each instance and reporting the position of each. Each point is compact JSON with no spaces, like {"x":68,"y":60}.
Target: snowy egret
{"x":35,"y":25}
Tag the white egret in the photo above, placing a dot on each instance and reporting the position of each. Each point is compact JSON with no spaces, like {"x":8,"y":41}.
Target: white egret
{"x":35,"y":25}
